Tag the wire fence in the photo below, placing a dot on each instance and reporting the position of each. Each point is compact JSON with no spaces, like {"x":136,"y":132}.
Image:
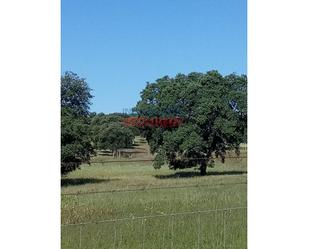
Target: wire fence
{"x":153,"y":216}
{"x":152,"y":160}
{"x":153,"y":188}
{"x":206,"y":228}
{"x":209,"y":228}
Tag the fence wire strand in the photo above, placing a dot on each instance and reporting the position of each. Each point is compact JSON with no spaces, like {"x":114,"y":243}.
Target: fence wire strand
{"x":153,"y":188}
{"x":152,"y":160}
{"x":154,"y":216}
{"x":172,"y":216}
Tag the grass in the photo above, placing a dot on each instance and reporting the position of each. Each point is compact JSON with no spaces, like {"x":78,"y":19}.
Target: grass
{"x":223,"y":187}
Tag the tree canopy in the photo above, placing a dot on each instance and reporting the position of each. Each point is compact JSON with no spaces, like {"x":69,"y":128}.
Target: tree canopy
{"x":109,"y":132}
{"x":75,"y":94}
{"x":75,"y":130}
{"x":214,"y":113}
{"x":212,"y":108}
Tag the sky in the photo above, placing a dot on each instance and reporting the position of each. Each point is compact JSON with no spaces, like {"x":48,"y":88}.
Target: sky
{"x":119,"y":45}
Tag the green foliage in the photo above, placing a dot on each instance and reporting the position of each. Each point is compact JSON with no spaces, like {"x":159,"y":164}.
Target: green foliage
{"x":75,"y":94}
{"x":75,"y":130}
{"x":109,"y":132}
{"x":214,"y":112}
{"x":219,"y":191}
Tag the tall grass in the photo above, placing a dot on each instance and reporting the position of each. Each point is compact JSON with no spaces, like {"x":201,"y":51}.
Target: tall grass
{"x":224,"y":187}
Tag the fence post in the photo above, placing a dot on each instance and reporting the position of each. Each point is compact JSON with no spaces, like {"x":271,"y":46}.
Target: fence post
{"x":163,"y":237}
{"x":143,"y":233}
{"x":172,"y":231}
{"x":199,"y":230}
{"x":80,"y":237}
{"x":115,"y":234}
{"x":224,"y":229}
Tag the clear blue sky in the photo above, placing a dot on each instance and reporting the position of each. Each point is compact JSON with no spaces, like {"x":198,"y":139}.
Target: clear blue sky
{"x":119,"y":45}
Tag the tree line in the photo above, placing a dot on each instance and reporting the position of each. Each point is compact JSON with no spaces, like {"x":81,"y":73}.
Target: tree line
{"x":83,"y":132}
{"x":213,"y":109}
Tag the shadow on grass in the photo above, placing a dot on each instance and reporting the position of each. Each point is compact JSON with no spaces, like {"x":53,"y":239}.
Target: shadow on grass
{"x":81,"y":181}
{"x":196,"y":173}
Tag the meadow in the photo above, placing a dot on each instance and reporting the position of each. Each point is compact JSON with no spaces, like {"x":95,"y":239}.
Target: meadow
{"x":132,"y":205}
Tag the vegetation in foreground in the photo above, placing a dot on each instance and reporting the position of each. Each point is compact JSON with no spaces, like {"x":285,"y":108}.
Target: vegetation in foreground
{"x":223,"y":187}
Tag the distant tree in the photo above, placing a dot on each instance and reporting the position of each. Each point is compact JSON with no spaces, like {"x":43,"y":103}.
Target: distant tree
{"x":75,"y":130}
{"x":75,"y":94}
{"x":214,"y":113}
{"x":100,"y":122}
{"x":113,"y":136}
{"x":102,"y":119}
{"x":76,"y":145}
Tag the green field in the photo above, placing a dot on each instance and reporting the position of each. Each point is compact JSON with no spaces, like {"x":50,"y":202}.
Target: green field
{"x":140,"y":207}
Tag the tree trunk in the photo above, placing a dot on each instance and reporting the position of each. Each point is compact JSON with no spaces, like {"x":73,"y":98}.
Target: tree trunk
{"x":203,"y":167}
